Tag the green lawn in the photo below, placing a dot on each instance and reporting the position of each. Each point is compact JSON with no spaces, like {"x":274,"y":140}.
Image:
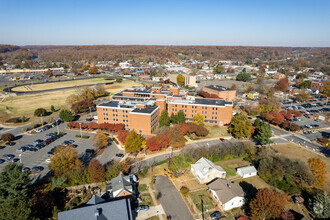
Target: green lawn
{"x":215,"y":131}
{"x":207,"y":200}
{"x":142,"y":187}
{"x":146,"y":199}
{"x":230,"y":165}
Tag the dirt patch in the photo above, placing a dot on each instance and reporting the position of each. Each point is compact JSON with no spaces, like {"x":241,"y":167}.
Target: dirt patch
{"x":111,"y":86}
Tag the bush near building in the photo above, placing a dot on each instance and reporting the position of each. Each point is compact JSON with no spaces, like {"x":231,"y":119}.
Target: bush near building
{"x":94,"y":126}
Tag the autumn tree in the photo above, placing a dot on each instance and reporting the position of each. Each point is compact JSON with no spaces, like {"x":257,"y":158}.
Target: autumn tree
{"x":7,"y":137}
{"x":134,"y":142}
{"x":267,"y":204}
{"x":319,"y":170}
{"x":122,"y":135}
{"x":326,"y":90}
{"x":233,"y":86}
{"x":96,"y":171}
{"x":240,"y":126}
{"x":282,"y":84}
{"x":65,"y":160}
{"x":164,"y":119}
{"x":180,"y":80}
{"x":93,"y":70}
{"x":100,"y":141}
{"x":303,"y":96}
{"x":176,"y":137}
{"x":48,"y":72}
{"x":198,"y":119}
{"x":82,"y":106}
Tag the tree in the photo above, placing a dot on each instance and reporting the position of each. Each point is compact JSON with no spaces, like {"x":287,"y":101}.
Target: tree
{"x":176,"y":137}
{"x":326,"y":90}
{"x":122,"y":135}
{"x":180,"y":80}
{"x":303,"y":96}
{"x":174,"y":119}
{"x":65,"y":160}
{"x":319,"y":169}
{"x":14,"y":183}
{"x":82,"y":106}
{"x":305,"y":84}
{"x":233,"y":86}
{"x":113,"y":170}
{"x":260,"y":80}
{"x":96,"y":171}
{"x":218,"y":69}
{"x":52,"y":108}
{"x":40,"y":111}
{"x":158,"y":142}
{"x":198,"y":119}
{"x":100,"y":140}
{"x":134,"y":142}
{"x":16,"y":208}
{"x":164,"y":119}
{"x":93,"y":70}
{"x":48,"y":72}
{"x":181,"y":117}
{"x":66,"y":115}
{"x":320,"y":205}
{"x":282,"y":84}
{"x":118,"y":80}
{"x":7,"y":137}
{"x":240,"y":126}
{"x":267,"y":204}
{"x":264,"y":134}
{"x":244,"y":76}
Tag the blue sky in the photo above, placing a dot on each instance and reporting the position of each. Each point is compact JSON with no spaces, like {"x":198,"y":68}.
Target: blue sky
{"x":166,"y":22}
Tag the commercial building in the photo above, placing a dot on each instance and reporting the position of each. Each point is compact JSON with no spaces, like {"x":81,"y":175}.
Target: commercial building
{"x":189,"y":80}
{"x":317,"y":85}
{"x":139,"y":108}
{"x":221,"y":92}
{"x":35,"y":71}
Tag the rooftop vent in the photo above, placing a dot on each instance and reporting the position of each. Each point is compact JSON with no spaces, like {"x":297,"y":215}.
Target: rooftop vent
{"x":97,"y":212}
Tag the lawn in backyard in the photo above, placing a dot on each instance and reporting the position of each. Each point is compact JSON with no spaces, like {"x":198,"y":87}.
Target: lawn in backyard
{"x":230,"y":165}
{"x":146,"y":199}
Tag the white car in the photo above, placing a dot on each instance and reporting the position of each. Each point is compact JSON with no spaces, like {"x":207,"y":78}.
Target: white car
{"x":47,"y":160}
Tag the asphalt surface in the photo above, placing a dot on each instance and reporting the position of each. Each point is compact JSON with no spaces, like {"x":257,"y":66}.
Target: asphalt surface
{"x":171,"y":199}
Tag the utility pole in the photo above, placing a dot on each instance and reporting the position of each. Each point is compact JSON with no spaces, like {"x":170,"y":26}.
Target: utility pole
{"x":58,"y":131}
{"x":80,"y":130}
{"x":41,"y":120}
{"x":202,"y":206}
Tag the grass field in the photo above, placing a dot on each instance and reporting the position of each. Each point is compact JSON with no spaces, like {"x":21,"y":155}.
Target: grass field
{"x":57,"y":85}
{"x":216,"y":131}
{"x":207,"y":201}
{"x":25,"y":105}
{"x":296,"y":152}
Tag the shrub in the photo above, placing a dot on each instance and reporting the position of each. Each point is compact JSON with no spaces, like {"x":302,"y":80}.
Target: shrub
{"x":7,"y":137}
{"x":85,"y":136}
{"x":77,"y":136}
{"x":14,"y":120}
{"x":115,"y":140}
{"x":184,"y":191}
{"x":40,"y":111}
{"x":75,"y":201}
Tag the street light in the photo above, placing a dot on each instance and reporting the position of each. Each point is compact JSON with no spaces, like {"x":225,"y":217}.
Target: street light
{"x":58,"y":131}
{"x":41,"y":120}
{"x":80,"y":130}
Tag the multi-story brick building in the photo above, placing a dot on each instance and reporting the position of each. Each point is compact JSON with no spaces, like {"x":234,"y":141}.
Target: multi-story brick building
{"x":139,"y":108}
{"x":317,"y":86}
{"x":221,"y":92}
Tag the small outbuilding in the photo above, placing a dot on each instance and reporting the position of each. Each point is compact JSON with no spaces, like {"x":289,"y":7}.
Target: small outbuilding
{"x":246,"y":171}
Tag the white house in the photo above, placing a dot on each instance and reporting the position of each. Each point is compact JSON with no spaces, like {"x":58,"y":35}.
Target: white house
{"x":124,"y":65}
{"x":246,"y":171}
{"x":227,"y":194}
{"x":205,"y":171}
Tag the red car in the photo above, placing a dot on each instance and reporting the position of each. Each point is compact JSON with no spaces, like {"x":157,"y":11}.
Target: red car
{"x":222,"y":139}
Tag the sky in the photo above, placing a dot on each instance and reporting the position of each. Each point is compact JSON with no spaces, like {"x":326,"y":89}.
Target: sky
{"x":304,"y":23}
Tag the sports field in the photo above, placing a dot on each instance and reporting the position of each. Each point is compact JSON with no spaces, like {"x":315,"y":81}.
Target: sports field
{"x":24,"y":105}
{"x":57,"y":85}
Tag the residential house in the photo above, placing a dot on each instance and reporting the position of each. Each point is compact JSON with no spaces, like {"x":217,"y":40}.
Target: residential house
{"x":246,"y":171}
{"x":205,"y":171}
{"x":226,"y":194}
{"x":122,"y":186}
{"x":98,"y":208}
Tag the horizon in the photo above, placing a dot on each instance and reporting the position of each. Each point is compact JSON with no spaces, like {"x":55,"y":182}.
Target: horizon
{"x":185,"y":23}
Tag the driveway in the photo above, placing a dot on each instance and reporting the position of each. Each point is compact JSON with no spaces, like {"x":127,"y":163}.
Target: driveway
{"x":171,"y":199}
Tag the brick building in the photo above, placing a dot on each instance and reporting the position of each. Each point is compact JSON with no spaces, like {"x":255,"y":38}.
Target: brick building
{"x":139,"y":108}
{"x":317,"y":86}
{"x":221,"y":92}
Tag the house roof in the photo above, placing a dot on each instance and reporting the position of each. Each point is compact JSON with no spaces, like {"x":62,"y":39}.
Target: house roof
{"x":226,"y":190}
{"x":219,"y":88}
{"x":95,"y":200}
{"x":121,"y":182}
{"x":114,"y":210}
{"x":247,"y":169}
{"x":203,"y":166}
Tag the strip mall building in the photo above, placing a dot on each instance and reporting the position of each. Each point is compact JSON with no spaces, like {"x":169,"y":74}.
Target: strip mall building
{"x":139,"y":108}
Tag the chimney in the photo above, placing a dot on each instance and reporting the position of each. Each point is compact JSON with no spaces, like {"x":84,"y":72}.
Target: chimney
{"x":97,"y":212}
{"x":229,"y":186}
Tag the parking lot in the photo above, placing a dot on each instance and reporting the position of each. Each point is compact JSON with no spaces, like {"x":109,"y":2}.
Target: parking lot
{"x":38,"y":158}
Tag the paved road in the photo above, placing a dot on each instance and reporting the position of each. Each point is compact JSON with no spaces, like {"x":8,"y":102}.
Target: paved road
{"x":171,"y":199}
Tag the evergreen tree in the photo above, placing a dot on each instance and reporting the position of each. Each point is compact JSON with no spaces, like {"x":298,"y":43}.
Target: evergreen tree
{"x":16,"y":208}
{"x":66,"y":115}
{"x":244,"y":76}
{"x":264,"y":134}
{"x":164,"y":119}
{"x":13,"y":182}
{"x":181,"y":117}
{"x":320,"y":205}
{"x":174,"y":119}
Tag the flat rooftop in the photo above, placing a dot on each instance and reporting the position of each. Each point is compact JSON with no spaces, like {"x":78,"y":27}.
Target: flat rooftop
{"x":219,"y":88}
{"x":149,"y":105}
{"x":201,"y":101}
{"x":146,"y":110}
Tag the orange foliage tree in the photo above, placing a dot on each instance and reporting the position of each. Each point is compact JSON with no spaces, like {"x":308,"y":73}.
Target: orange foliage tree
{"x":267,"y":204}
{"x":96,"y":171}
{"x":318,"y":168}
{"x":65,"y":160}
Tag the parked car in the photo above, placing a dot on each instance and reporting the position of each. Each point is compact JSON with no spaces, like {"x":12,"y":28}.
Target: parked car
{"x":142,"y":208}
{"x":37,"y":169}
{"x":222,"y":139}
{"x":47,"y":160}
{"x":2,"y":147}
{"x":8,"y":156}
{"x":89,"y":119}
{"x":26,"y":169}
{"x":119,"y":155}
{"x":2,"y":161}
{"x":216,"y":215}
{"x":22,"y":149}
{"x":10,"y":143}
{"x":38,"y":141}
{"x":90,"y":151}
